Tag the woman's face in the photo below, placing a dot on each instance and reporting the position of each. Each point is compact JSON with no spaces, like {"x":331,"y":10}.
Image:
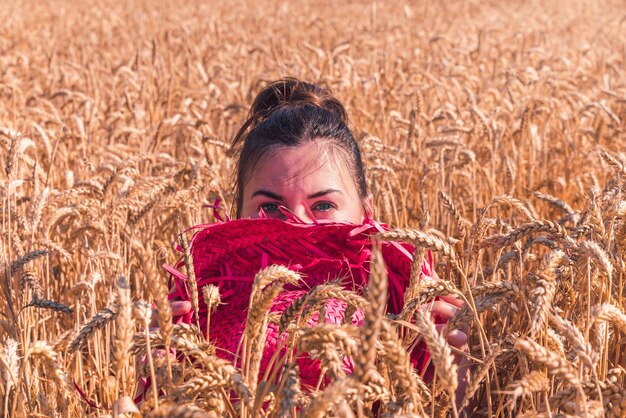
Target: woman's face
{"x":301,"y":177}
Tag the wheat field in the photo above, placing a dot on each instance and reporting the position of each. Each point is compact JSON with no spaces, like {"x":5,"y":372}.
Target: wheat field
{"x":494,"y":135}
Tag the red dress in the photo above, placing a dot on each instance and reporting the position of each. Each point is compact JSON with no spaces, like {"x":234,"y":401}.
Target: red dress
{"x":229,"y":254}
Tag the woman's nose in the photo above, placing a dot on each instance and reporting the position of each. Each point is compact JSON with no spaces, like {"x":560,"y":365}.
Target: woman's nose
{"x":303,"y":212}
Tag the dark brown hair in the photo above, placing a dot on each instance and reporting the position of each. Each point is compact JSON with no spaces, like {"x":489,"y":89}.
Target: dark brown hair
{"x":289,"y":113}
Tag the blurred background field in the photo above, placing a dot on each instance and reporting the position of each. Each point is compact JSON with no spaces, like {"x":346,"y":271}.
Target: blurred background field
{"x":495,"y":127}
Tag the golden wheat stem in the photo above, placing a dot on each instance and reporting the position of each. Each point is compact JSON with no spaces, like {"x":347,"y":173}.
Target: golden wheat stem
{"x":154,"y":383}
{"x":191,"y":277}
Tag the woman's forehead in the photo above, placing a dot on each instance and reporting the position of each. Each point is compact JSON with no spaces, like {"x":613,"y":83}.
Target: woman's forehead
{"x":305,"y":165}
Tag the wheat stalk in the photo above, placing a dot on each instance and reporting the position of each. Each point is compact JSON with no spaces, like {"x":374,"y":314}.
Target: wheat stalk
{"x":441,"y":354}
{"x":377,"y":294}
{"x":419,"y":238}
{"x":124,"y":324}
{"x":535,"y":381}
{"x":555,"y":364}
{"x":99,"y":320}
{"x":191,"y":276}
{"x":268,"y":283}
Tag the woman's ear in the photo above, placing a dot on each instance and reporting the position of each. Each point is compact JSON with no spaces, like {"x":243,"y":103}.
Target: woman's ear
{"x":368,"y":205}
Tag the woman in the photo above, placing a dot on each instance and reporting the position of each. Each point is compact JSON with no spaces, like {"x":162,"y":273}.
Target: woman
{"x":298,"y":160}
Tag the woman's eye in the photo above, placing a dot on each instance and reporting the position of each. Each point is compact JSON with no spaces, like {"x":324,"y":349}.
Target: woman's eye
{"x":269,"y":207}
{"x":323,"y":206}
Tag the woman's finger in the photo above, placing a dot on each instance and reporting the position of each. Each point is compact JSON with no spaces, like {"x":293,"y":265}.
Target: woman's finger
{"x":453,"y":299}
{"x":464,"y":367}
{"x":154,"y":319}
{"x":457,"y":338}
{"x":440,"y":309}
{"x":180,"y":307}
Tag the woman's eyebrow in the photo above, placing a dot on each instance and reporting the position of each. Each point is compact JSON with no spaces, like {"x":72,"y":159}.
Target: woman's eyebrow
{"x":323,"y":193}
{"x":267,"y":194}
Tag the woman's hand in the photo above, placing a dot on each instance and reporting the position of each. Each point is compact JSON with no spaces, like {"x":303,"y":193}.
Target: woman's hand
{"x":444,"y":309}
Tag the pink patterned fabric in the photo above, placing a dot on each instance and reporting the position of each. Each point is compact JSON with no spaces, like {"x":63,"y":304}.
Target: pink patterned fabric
{"x":229,"y":254}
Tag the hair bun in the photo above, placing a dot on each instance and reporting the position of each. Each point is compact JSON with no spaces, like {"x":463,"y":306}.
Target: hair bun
{"x":289,"y":92}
